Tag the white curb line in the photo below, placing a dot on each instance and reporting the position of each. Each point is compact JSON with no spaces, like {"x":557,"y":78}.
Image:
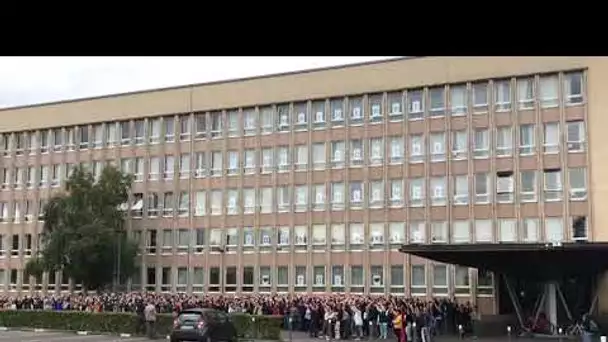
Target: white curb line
{"x":39,"y":330}
{"x":125,"y":335}
{"x":82,"y":333}
{"x":3,"y":329}
{"x":168,"y":337}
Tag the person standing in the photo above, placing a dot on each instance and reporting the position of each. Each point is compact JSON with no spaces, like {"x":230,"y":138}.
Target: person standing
{"x":150,"y":315}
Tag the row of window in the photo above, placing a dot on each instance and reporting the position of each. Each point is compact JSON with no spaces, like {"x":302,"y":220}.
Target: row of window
{"x":397,"y":105}
{"x":372,"y":194}
{"x":440,"y":279}
{"x":353,"y":236}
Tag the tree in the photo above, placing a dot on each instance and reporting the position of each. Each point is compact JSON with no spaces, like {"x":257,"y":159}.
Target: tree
{"x":84,"y":232}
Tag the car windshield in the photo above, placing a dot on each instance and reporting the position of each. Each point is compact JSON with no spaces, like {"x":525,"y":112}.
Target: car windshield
{"x":190,"y":317}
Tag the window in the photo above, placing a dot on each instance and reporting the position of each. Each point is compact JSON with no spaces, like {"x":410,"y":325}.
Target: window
{"x":125,"y":133}
{"x":45,"y":137}
{"x":249,"y":164}
{"x":460,"y":232}
{"x":216,"y":163}
{"x":284,"y":158}
{"x":154,"y":204}
{"x":301,"y":198}
{"x":232,"y":237}
{"x":504,"y":186}
{"x":551,"y":137}
{"x":215,"y":238}
{"x":458,"y":99}
{"x":527,"y":185}
{"x":232,"y":202}
{"x":573,"y":88}
{"x":418,"y":280}
{"x":356,"y":152}
{"x":460,"y":145}
{"x":437,"y":147}
{"x":396,"y":144}
{"x":417,"y":232}
{"x":396,"y":193}
{"x":397,"y":276}
{"x":577,"y":183}
{"x":527,"y":139}
{"x":480,"y":97}
{"x":554,"y":229}
{"x":167,"y":242}
{"x":375,"y":104}
{"x":439,"y":232}
{"x":462,"y":284}
{"x":153,"y":168}
{"x":140,"y":132}
{"x":549,"y":91}
{"x":318,"y":156}
{"x":217,"y":124}
{"x":300,"y":235}
{"x":216,"y":202}
{"x":98,"y":133}
{"x":377,"y":278}
{"x":168,"y":203}
{"x":337,"y":111}
{"x":200,"y":126}
{"x":415,"y":104}
{"x":200,"y":169}
{"x":356,"y":110}
{"x":553,"y":185}
{"x":319,"y":197}
{"x":376,"y":194}
{"x":318,"y":111}
{"x":461,"y":190}
{"x":337,"y":196}
{"x":266,"y":120}
{"x":185,"y":127}
{"x":169,"y":167}
{"x":580,"y":230}
{"x":248,"y":238}
{"x":438,"y":191}
{"x":266,"y":200}
{"x":233,"y":126}
{"x":337,"y":276}
{"x":319,"y":235}
{"x":576,"y":136}
{"x":301,"y":162}
{"x":249,"y":200}
{"x":504,"y":141}
{"x":417,"y":192}
{"x":482,"y":188}
{"x":395,"y":101}
{"x":183,"y":206}
{"x":300,"y":278}
{"x":376,"y":155}
{"x":483,"y":231}
{"x":233,"y":163}
{"x":530,"y":229}
{"x":356,"y":278}
{"x":58,"y":137}
{"x":249,"y":121}
{"x":356,"y":236}
{"x":283,"y":118}
{"x":169,"y":128}
{"x":154,"y":130}
{"x":485,"y":283}
{"x":283,"y":199}
{"x":376,"y":235}
{"x":283,"y":236}
{"x":507,"y":230}
{"x":356,"y":195}
{"x":440,"y":279}
{"x":151,"y":241}
{"x":502,"y":95}
{"x":525,"y":93}
{"x":184,"y":166}
{"x":338,"y":236}
{"x":437,"y":101}
{"x":481,"y":146}
{"x":300,"y":115}
{"x":318,"y":273}
{"x":416,"y":149}
{"x":337,"y":154}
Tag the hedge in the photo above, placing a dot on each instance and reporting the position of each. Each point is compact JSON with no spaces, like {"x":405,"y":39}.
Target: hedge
{"x":262,"y":327}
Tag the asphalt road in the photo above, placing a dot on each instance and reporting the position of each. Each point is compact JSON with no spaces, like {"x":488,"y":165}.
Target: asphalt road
{"x":52,"y":336}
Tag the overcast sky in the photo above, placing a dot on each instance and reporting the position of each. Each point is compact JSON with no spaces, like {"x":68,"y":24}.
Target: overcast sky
{"x":31,"y":80}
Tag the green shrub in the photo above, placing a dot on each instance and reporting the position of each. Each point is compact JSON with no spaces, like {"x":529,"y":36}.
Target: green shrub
{"x":259,"y":327}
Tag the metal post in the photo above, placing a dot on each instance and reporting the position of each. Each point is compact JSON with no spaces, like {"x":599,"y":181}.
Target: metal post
{"x":509,"y":332}
{"x":254,"y":327}
{"x":560,"y":333}
{"x":329,"y":331}
{"x":460,"y":331}
{"x":414,"y":334}
{"x":602,"y":338}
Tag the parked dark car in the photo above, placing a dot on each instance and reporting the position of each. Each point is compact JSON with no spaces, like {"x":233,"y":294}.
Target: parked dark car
{"x":203,"y":325}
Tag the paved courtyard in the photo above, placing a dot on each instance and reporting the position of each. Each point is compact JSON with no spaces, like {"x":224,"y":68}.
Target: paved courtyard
{"x":52,"y":336}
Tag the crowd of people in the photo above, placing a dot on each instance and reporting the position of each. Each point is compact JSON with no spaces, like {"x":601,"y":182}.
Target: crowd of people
{"x":330,"y":316}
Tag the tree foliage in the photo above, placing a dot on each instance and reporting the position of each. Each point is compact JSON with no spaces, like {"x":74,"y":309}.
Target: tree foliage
{"x":84,"y":230}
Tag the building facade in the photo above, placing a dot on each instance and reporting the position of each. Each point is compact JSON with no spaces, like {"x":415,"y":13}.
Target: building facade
{"x":310,"y":182}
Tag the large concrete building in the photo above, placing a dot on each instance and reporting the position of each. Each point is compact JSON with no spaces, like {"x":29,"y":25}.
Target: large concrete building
{"x":311,"y":181}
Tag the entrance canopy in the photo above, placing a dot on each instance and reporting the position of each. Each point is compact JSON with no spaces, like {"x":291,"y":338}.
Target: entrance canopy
{"x":537,"y":261}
